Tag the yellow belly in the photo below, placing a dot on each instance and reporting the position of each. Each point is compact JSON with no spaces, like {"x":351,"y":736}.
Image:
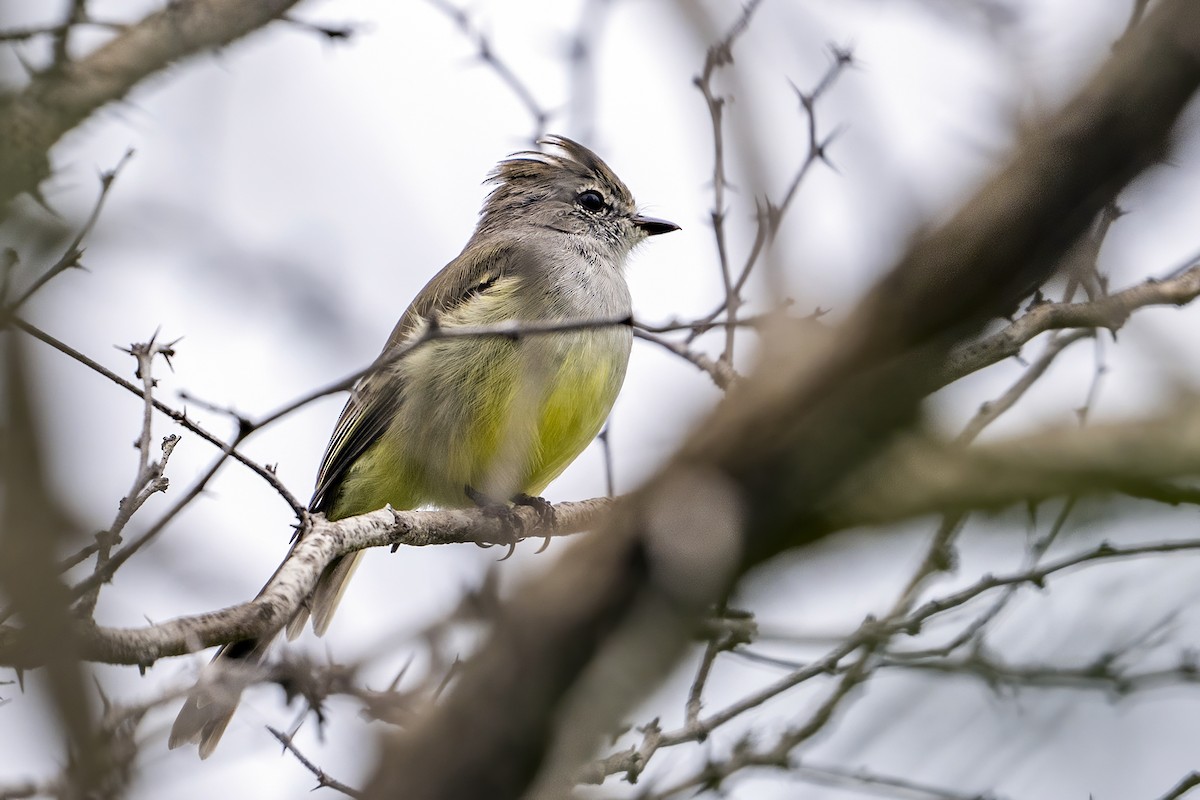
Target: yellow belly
{"x":500,"y":416}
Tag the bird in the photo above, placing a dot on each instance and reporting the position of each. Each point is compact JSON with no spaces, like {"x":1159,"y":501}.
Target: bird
{"x":456,"y":422}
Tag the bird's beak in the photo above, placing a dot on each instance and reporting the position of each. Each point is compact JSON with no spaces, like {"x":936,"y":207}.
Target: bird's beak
{"x":653,"y":227}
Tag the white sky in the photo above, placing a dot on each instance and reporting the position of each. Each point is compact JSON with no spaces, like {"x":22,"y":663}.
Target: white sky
{"x":289,"y":196}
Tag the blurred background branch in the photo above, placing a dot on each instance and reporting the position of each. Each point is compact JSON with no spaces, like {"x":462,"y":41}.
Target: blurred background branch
{"x":533,"y":681}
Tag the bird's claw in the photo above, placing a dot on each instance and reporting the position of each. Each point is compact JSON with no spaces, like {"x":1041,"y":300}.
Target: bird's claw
{"x":545,"y":514}
{"x":510,"y":523}
{"x":540,"y":505}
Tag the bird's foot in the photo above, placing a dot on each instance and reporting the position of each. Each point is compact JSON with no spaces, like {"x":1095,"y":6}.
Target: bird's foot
{"x":510,"y":522}
{"x":544,"y":511}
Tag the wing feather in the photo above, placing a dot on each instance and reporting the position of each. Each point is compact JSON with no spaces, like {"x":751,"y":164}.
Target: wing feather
{"x":376,"y":398}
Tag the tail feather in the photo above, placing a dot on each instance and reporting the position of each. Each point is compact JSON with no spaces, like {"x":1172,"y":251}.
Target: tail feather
{"x":296,"y":626}
{"x":330,"y":589}
{"x":210,"y":704}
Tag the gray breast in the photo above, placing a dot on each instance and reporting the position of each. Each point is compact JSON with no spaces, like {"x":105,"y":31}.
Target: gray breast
{"x":587,"y":285}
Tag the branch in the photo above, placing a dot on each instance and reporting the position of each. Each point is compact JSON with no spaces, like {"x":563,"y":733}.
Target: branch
{"x":1100,"y":675}
{"x":753,"y":479}
{"x":57,"y":100}
{"x":940,"y":477}
{"x":181,"y":417}
{"x":150,"y":477}
{"x":323,"y":778}
{"x":1192,"y":780}
{"x":31,"y":528}
{"x":113,"y":745}
{"x":769,"y":215}
{"x":294,"y":580}
{"x":70,"y":258}
{"x":504,"y":72}
{"x":720,"y":371}
{"x":1109,"y":312}
{"x":719,"y":55}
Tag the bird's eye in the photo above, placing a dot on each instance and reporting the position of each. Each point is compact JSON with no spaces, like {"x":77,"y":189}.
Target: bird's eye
{"x":591,"y":201}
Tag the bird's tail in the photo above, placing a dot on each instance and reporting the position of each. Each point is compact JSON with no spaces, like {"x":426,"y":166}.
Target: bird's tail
{"x":326,"y":596}
{"x":211,"y":703}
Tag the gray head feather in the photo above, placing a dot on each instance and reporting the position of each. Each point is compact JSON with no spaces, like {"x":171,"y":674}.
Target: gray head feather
{"x":557,"y":190}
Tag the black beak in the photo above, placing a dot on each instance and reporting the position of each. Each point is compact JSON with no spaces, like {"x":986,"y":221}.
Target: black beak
{"x":653,"y":227}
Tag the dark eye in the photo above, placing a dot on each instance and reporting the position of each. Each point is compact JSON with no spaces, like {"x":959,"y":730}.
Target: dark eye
{"x":591,"y":201}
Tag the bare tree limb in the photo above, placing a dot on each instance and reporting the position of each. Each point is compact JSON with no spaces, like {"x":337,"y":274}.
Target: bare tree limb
{"x":180,"y":417}
{"x":1190,"y":781}
{"x":294,"y":580}
{"x":1110,"y":312}
{"x":31,"y":525}
{"x":920,"y":477}
{"x":57,"y":100}
{"x":487,"y":54}
{"x":70,"y":258}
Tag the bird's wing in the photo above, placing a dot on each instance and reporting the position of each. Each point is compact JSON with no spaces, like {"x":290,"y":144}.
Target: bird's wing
{"x":377,"y":396}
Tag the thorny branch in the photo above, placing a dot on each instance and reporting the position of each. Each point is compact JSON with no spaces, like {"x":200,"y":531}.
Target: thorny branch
{"x":324,"y":781}
{"x":1109,"y":312}
{"x":487,"y":54}
{"x":56,"y":100}
{"x":720,"y":54}
{"x":1183,"y":288}
{"x":180,"y":417}
{"x":769,"y":216}
{"x":1101,"y":675}
{"x":293,"y":582}
{"x":871,"y":648}
{"x":1189,"y":781}
{"x":149,"y":478}
{"x":70,"y":258}
{"x":870,"y":637}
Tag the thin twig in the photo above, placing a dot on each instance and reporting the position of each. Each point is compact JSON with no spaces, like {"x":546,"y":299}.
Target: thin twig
{"x":1110,"y":312}
{"x":180,"y":417}
{"x":70,"y":258}
{"x":1185,"y":786}
{"x":323,"y":778}
{"x":487,"y":54}
{"x":719,"y":55}
{"x":511,"y":329}
{"x":990,"y":411}
{"x":606,"y":451}
{"x":770,"y":216}
{"x":722,"y":373}
{"x":150,"y":476}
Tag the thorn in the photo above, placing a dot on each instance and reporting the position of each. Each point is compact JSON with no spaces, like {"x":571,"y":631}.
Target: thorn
{"x":843,"y":56}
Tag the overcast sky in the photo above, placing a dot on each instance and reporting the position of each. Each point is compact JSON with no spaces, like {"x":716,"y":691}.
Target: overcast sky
{"x":290,"y":195}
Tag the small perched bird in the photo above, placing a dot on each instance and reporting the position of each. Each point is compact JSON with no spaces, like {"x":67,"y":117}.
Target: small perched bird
{"x":457,"y":422}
